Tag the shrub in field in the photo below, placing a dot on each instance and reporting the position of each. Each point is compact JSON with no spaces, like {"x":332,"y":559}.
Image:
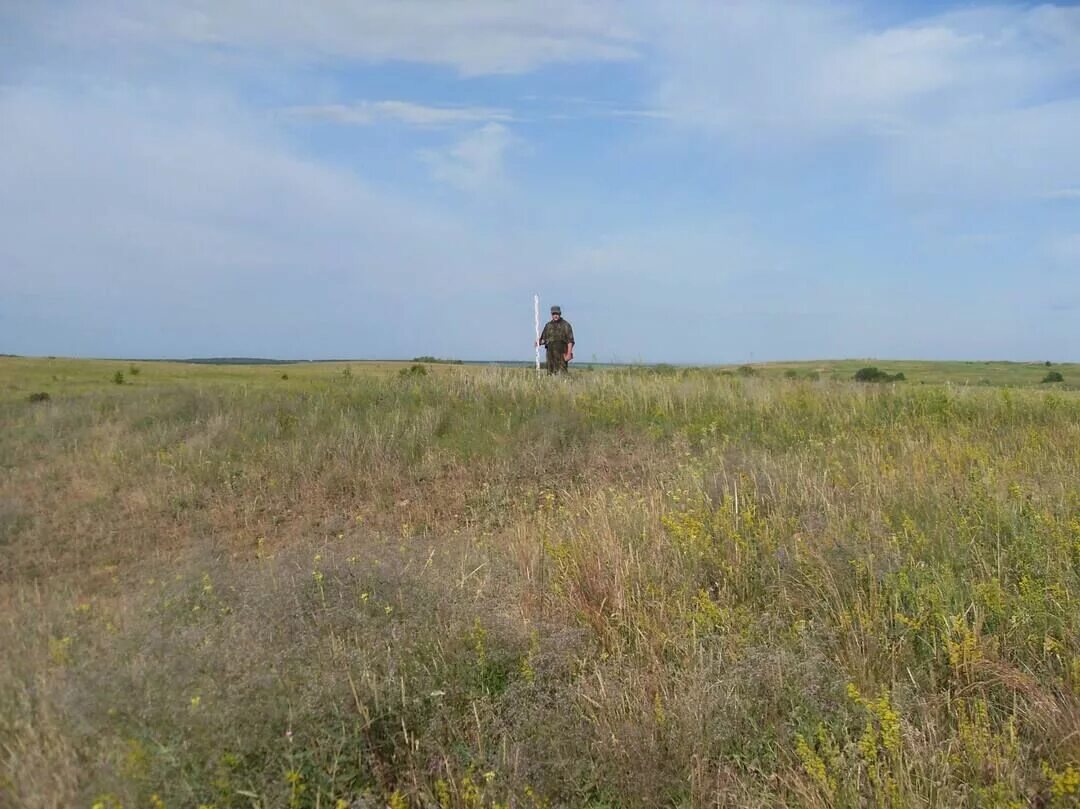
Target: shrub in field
{"x":118,"y":378}
{"x":134,"y":370}
{"x":413,"y":370}
{"x":872,"y":374}
{"x":40,"y":396}
{"x":869,"y":374}
{"x":1053,"y":376}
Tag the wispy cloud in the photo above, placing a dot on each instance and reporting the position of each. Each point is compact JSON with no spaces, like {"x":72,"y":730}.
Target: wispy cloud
{"x":475,"y":162}
{"x":428,"y":116}
{"x":974,"y":103}
{"x":651,"y":114}
{"x":201,"y":233}
{"x":1065,"y":250}
{"x":1063,"y":193}
{"x":1000,"y":156}
{"x":472,"y":36}
{"x":601,"y":112}
{"x":770,"y":65}
{"x":365,"y":113}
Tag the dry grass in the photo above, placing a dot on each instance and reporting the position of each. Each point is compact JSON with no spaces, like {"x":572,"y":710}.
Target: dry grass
{"x":477,"y":588}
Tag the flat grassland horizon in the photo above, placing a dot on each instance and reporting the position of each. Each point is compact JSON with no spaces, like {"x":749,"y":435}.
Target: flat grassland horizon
{"x":428,"y":585}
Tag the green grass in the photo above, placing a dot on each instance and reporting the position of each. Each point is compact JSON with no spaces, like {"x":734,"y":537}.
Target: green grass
{"x":476,"y":587}
{"x":1016,"y":374}
{"x":19,"y":377}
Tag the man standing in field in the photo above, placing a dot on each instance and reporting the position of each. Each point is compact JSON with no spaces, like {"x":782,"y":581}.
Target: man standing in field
{"x":558,"y":337}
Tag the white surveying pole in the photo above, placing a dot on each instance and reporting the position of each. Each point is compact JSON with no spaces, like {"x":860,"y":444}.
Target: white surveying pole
{"x":536,"y":322}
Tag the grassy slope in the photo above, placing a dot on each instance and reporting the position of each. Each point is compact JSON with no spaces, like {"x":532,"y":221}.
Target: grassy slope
{"x":477,"y":587}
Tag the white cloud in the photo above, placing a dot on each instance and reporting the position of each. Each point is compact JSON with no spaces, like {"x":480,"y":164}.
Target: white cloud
{"x":1065,"y":250}
{"x":364,"y":113}
{"x":472,"y":36}
{"x":133,"y":223}
{"x":84,"y":166}
{"x":981,"y":101}
{"x":876,"y":80}
{"x":475,"y":162}
{"x":773,"y":64}
{"x":1004,"y":155}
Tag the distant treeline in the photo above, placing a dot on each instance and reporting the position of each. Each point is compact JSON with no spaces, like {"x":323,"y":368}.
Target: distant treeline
{"x":240,"y":361}
{"x":427,"y":358}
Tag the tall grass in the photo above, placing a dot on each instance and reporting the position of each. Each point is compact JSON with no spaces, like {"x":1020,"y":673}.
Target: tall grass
{"x":479,"y":588}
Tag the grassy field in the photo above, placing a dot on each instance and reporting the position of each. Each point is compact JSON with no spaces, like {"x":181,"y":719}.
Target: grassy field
{"x":19,"y":377}
{"x":364,"y":586}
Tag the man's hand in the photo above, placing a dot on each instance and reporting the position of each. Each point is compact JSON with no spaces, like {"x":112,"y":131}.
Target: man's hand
{"x":569,"y":354}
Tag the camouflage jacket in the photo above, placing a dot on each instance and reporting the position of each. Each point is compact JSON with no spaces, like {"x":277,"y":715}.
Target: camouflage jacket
{"x":559,"y":331}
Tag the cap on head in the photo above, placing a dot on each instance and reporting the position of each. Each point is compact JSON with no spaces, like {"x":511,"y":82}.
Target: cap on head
{"x":556,"y":310}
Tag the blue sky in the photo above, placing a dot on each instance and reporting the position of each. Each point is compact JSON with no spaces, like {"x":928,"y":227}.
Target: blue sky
{"x":692,"y":181}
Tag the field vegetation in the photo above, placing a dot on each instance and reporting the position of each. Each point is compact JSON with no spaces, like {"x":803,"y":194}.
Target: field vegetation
{"x":473,"y":587}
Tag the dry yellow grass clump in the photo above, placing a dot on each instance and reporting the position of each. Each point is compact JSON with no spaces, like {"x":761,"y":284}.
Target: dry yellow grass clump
{"x":475,"y":588}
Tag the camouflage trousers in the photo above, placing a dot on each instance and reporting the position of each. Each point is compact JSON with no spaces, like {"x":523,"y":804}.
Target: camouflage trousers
{"x":556,"y":358}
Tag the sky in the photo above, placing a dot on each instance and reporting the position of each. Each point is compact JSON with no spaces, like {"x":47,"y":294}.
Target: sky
{"x":698,"y":181}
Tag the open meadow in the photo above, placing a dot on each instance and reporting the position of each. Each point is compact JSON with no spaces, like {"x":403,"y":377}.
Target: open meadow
{"x":350,"y":585}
